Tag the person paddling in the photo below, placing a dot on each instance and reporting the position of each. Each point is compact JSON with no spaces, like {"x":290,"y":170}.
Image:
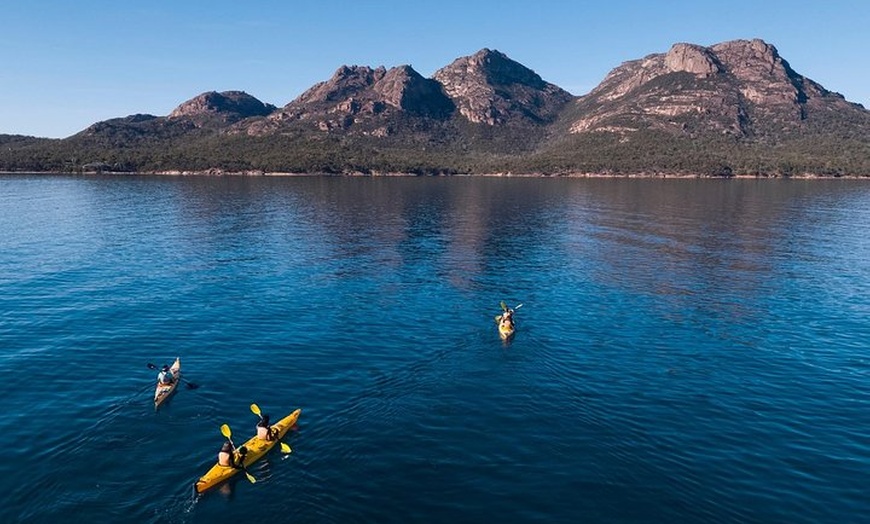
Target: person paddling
{"x":264,"y":430}
{"x":227,"y":457}
{"x":165,"y":376}
{"x":506,"y":319}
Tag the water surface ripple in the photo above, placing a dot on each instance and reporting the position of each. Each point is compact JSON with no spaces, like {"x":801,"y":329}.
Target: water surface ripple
{"x":688,"y":350}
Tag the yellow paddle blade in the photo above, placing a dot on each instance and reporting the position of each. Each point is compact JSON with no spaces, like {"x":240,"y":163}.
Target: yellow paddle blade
{"x":255,"y":409}
{"x":225,"y":431}
{"x":251,"y":478}
{"x":285,"y":448}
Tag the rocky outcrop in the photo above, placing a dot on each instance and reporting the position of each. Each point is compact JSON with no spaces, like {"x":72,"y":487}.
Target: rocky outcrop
{"x":358,"y":95}
{"x":347,"y":83}
{"x":226,"y":107}
{"x":489,"y":88}
{"x":206,"y":112}
{"x":404,"y":88}
{"x":662,"y":91}
{"x":739,"y":87}
{"x":486,"y":88}
{"x":692,"y":59}
{"x":764,"y":77}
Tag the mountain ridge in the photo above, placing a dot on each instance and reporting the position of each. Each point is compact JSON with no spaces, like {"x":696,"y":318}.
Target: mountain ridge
{"x":736,"y":107}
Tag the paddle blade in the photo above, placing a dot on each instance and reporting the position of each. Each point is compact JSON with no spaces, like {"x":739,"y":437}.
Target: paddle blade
{"x":285,"y":448}
{"x":151,"y":366}
{"x":503,"y":305}
{"x":225,"y":431}
{"x":251,"y":478}
{"x":255,"y":409}
{"x":191,"y":385}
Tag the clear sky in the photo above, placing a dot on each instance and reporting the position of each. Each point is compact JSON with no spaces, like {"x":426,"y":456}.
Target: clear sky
{"x":67,"y":64}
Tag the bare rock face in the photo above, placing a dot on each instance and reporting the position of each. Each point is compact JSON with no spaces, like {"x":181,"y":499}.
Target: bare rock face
{"x":691,"y":59}
{"x":661,"y":91}
{"x":361,"y":95}
{"x":492,"y":89}
{"x":226,"y":107}
{"x":764,"y":78}
{"x":346,"y":83}
{"x":404,"y":88}
{"x":768,"y":86}
{"x":736,"y":87}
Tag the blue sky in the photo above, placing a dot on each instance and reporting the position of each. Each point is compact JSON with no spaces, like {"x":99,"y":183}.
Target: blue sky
{"x":65,"y":65}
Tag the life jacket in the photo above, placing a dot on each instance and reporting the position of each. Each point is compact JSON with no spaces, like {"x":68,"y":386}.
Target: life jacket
{"x":165,"y":377}
{"x":266,"y":432}
{"x":225,"y":459}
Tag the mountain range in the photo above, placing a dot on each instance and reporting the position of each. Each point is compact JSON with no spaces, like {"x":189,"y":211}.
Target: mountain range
{"x":734,"y":108}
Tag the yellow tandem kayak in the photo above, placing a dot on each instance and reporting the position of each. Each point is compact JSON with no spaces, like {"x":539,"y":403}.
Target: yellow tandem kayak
{"x":256,"y":449}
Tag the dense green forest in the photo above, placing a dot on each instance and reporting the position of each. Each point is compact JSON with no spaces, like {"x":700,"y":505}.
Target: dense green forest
{"x":643,"y":152}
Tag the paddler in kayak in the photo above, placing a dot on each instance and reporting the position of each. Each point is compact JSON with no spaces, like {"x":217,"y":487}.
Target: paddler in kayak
{"x":165,"y":376}
{"x":264,"y":430}
{"x":227,"y":458}
{"x":506,"y":319}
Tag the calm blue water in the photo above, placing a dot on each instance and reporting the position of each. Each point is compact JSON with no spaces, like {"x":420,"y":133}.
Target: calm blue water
{"x":688,"y":350}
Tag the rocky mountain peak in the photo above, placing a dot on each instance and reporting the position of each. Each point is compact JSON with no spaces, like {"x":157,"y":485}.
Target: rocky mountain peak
{"x":228,"y":106}
{"x":359,"y":94}
{"x":501,"y":70}
{"x":738,"y":87}
{"x":404,"y":88}
{"x":490,"y":88}
{"x":691,"y":58}
{"x":346,"y":82}
{"x":765,"y":78}
{"x":748,"y":53}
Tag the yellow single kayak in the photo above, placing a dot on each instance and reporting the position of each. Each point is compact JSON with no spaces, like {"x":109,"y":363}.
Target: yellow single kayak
{"x":506,"y":329}
{"x":163,"y":391}
{"x":256,"y":447}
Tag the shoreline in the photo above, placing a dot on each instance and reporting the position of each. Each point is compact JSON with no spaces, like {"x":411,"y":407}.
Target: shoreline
{"x":258,"y":173}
